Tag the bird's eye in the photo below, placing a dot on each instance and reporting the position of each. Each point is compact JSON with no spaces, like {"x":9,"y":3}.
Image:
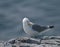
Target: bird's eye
{"x":27,"y":21}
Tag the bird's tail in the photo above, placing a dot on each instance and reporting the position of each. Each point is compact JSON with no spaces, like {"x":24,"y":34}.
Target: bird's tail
{"x":51,"y":26}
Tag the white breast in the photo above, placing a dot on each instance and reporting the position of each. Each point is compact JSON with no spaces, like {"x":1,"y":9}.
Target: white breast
{"x":29,"y":30}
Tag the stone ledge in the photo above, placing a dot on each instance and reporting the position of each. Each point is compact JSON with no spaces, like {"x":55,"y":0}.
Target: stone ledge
{"x":46,"y":41}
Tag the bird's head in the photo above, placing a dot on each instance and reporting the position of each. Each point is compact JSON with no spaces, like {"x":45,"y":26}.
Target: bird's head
{"x":27,"y":21}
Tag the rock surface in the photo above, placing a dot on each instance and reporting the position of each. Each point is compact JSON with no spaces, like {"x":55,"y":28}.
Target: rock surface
{"x":46,"y":41}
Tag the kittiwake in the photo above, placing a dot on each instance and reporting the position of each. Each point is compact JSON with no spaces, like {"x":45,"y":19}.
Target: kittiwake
{"x":33,"y":29}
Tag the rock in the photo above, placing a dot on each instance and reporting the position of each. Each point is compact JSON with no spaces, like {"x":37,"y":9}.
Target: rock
{"x":47,"y":41}
{"x":12,"y":41}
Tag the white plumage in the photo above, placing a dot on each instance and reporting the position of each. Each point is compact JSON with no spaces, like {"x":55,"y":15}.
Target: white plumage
{"x":33,"y":29}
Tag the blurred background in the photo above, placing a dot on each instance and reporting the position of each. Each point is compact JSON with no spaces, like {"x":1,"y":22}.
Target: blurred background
{"x":42,"y":12}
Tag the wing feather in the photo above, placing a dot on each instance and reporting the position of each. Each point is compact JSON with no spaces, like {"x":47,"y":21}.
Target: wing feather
{"x":38,"y":28}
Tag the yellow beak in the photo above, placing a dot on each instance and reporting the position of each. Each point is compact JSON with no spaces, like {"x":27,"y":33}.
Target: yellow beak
{"x":30,"y":23}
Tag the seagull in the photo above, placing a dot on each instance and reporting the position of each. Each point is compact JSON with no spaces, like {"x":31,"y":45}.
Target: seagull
{"x":33,"y":29}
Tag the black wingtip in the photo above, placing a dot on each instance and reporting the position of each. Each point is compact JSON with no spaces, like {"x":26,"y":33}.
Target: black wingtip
{"x":51,"y":26}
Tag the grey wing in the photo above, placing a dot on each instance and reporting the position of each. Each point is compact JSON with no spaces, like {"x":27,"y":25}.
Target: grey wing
{"x":38,"y":28}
